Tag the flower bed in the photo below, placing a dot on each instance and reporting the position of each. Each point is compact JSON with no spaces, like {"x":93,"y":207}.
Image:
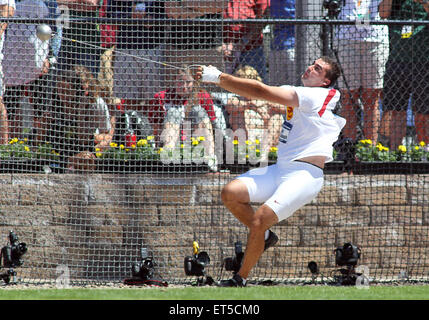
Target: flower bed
{"x":378,"y":159}
{"x":366,"y":151}
{"x":19,"y":157}
{"x":142,"y":156}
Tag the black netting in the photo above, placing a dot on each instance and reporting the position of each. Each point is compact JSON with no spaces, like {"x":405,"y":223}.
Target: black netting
{"x":108,"y":145}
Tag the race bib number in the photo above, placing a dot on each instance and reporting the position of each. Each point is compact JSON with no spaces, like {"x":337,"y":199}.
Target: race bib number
{"x":286,"y":128}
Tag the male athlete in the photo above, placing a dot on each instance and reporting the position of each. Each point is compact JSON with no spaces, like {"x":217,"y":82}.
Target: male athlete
{"x":305,"y":145}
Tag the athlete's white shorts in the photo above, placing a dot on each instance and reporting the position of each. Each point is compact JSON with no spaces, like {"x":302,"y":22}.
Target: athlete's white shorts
{"x":284,"y":187}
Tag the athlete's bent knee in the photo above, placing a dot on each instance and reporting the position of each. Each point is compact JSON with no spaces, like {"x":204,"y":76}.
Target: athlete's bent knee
{"x":263,"y":219}
{"x":227,"y":194}
{"x":235,"y":191}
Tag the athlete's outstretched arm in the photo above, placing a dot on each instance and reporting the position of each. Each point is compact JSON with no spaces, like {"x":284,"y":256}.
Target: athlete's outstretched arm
{"x":249,"y":88}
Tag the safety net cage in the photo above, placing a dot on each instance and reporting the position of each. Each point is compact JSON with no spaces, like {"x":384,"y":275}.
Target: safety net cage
{"x":113,"y":157}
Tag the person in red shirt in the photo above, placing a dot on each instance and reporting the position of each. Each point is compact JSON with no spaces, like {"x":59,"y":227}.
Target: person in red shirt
{"x":243,"y":44}
{"x":182,"y":115}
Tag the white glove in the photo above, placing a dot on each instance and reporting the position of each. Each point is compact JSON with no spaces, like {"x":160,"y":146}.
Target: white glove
{"x":210,"y":74}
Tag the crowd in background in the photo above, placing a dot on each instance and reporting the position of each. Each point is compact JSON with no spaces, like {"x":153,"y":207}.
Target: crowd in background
{"x":75,"y":89}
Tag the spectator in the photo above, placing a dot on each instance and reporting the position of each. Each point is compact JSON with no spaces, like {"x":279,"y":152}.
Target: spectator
{"x":181,"y":113}
{"x":40,"y":94}
{"x":253,"y":115}
{"x":105,"y":130}
{"x":194,"y":42}
{"x":108,"y":42}
{"x":81,"y":39}
{"x":406,"y":71}
{"x":362,"y":53}
{"x":136,"y":80}
{"x":282,"y":55}
{"x":243,"y":43}
{"x":81,"y":119}
{"x":55,"y":43}
{"x":7,"y":9}
{"x":25,"y":61}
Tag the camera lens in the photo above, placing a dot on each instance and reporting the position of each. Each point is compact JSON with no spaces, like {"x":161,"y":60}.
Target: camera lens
{"x":135,"y":269}
{"x":313,"y":267}
{"x":229,"y":265}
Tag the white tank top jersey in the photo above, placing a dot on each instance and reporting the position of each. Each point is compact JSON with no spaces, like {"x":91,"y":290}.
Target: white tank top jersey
{"x":312,"y":128}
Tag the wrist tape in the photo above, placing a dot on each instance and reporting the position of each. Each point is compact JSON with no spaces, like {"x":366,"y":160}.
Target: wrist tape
{"x":210,"y":74}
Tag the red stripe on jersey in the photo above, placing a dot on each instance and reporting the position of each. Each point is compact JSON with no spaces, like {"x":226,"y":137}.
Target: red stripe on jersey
{"x":331,"y":94}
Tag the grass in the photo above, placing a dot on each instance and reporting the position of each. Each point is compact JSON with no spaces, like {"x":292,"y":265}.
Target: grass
{"x":416,"y":292}
{"x":215,"y":303}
